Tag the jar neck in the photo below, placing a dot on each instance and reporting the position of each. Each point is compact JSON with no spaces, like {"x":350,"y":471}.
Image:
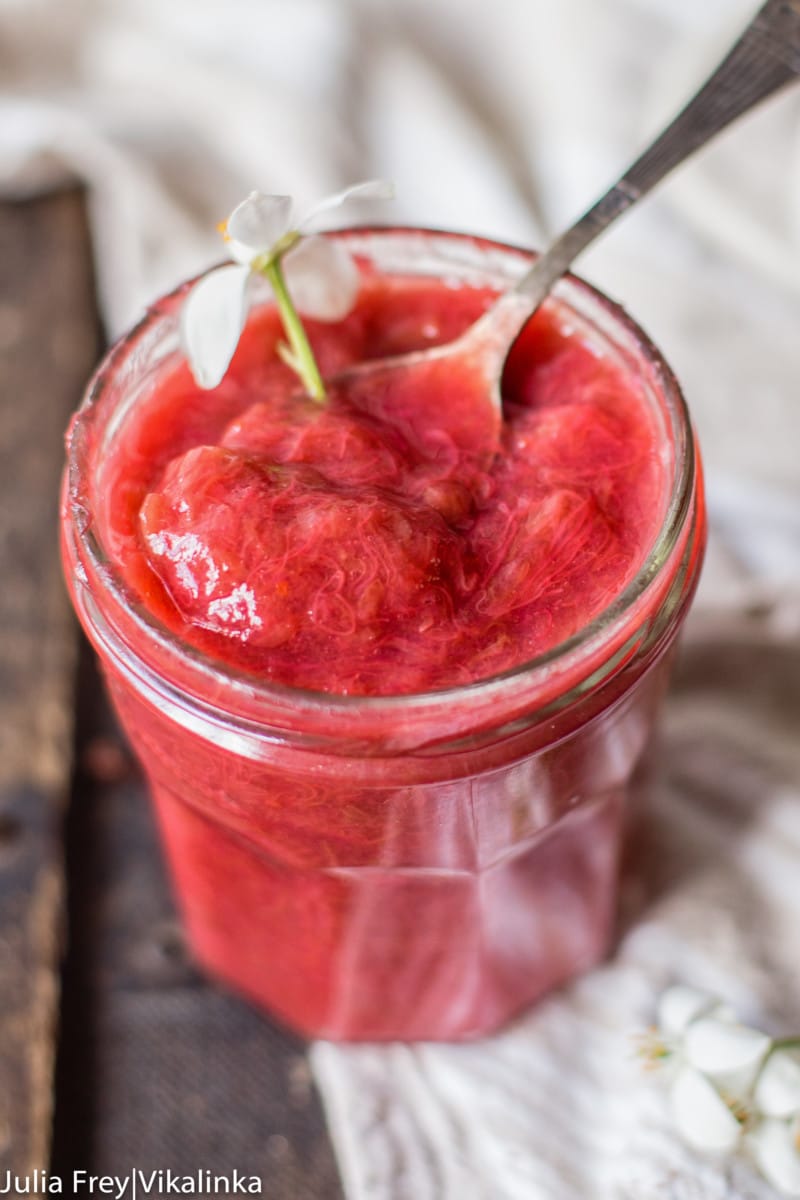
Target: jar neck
{"x":174,"y":674}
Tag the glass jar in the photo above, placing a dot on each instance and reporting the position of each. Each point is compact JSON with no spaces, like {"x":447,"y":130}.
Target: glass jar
{"x":399,"y":867}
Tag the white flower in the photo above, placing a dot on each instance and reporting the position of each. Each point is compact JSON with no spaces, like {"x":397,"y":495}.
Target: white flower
{"x":776,"y":1148}
{"x":703,"y":1119}
{"x":728,"y":1053}
{"x":731,"y":1087}
{"x":678,"y":1006}
{"x":715,"y":1062}
{"x":775,"y":1142}
{"x":777,"y":1092}
{"x":320,"y":274}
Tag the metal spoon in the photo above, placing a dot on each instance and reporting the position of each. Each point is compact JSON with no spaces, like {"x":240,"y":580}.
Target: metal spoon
{"x":764,"y":59}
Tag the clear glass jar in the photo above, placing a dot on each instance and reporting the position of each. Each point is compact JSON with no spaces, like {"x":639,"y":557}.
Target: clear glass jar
{"x":399,"y":867}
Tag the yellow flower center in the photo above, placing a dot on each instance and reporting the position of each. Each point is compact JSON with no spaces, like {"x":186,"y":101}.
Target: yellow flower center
{"x":738,"y":1109}
{"x":652,"y":1048}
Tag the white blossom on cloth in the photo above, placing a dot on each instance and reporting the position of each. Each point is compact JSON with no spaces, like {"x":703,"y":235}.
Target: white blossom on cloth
{"x":732,"y":1088}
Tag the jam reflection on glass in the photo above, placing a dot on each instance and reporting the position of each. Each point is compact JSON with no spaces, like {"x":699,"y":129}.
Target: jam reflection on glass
{"x":399,"y":884}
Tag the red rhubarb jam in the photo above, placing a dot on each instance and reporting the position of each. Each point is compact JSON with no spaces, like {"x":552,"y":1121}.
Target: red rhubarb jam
{"x":370,"y":546}
{"x":389,"y":674}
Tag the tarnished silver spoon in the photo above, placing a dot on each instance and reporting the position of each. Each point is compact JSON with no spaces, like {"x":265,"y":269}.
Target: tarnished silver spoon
{"x":765,"y":58}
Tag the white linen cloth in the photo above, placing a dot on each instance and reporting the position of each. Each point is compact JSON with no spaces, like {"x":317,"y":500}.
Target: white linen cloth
{"x":507,"y":119}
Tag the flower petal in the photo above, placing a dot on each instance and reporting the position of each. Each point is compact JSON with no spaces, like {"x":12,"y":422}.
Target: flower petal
{"x":322,"y":278}
{"x":256,"y":224}
{"x":774,"y":1147}
{"x":726,"y":1049}
{"x":370,"y":189}
{"x":701,"y":1115}
{"x":679,"y":1006}
{"x":777,"y":1091}
{"x":212,"y":319}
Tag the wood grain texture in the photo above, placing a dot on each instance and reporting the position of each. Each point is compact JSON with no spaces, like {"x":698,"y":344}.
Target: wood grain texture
{"x":48,"y":344}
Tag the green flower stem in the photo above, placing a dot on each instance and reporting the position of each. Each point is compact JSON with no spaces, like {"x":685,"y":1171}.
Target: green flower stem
{"x":790,"y":1043}
{"x":300,"y":356}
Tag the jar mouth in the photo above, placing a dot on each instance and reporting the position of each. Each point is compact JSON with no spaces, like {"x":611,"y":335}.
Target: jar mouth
{"x":485,"y":261}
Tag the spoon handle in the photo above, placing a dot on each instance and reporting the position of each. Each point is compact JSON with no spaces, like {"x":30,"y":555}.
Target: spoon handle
{"x":765,"y":58}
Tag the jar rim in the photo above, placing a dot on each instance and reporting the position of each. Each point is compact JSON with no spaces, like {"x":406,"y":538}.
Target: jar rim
{"x":523,"y":675}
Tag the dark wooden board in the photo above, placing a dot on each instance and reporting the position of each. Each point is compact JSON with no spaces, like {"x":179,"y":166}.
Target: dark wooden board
{"x":48,"y":343}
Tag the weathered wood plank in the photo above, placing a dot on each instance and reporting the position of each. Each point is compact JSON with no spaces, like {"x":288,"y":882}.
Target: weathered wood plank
{"x":48,"y":343}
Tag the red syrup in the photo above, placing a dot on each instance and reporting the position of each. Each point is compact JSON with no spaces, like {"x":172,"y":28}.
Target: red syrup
{"x":431,"y":842}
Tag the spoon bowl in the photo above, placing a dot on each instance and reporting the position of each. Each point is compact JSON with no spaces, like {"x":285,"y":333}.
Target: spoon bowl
{"x":466,"y":373}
